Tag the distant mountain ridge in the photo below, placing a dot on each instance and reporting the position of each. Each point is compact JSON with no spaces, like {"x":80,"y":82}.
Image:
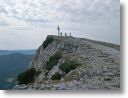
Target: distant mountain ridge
{"x":26,"y":52}
{"x":10,"y":66}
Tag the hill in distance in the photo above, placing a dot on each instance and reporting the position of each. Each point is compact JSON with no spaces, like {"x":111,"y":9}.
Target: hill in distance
{"x":27,"y":52}
{"x":10,"y":66}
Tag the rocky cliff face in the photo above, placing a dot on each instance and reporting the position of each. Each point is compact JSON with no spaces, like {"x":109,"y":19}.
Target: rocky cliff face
{"x":69,"y":63}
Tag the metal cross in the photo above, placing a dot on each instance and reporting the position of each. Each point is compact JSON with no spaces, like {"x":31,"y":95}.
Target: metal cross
{"x":58,"y":30}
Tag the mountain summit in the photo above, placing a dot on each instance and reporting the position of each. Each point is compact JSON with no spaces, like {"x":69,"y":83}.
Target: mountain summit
{"x":69,"y":63}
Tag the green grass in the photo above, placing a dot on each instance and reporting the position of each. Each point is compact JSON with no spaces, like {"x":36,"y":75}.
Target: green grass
{"x":56,"y":76}
{"x":68,"y":66}
{"x":53,"y":60}
{"x":27,"y":76}
{"x":48,"y":40}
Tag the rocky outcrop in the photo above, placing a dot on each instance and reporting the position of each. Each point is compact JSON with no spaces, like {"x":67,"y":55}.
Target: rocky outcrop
{"x":96,"y":66}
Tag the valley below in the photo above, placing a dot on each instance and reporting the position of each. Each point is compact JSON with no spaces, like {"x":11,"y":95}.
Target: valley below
{"x":12,"y":64}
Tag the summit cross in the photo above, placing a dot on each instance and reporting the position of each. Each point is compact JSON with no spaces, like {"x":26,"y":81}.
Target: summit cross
{"x":58,"y":30}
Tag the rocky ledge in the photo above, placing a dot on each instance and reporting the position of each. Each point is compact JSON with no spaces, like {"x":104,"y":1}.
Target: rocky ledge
{"x":69,"y":63}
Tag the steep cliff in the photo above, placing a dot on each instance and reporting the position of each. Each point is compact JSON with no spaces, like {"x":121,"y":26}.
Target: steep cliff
{"x":74,"y":63}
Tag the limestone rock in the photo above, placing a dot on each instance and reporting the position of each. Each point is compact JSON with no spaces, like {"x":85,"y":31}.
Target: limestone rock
{"x":99,"y":66}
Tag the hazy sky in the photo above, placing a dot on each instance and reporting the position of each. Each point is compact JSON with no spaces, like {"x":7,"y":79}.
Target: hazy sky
{"x":24,"y":24}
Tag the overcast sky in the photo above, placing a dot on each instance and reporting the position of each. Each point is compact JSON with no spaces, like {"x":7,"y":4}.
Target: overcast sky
{"x":24,"y":24}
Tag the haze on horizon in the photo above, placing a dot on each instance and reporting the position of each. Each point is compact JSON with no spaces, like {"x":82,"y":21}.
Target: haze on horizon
{"x":24,"y":24}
